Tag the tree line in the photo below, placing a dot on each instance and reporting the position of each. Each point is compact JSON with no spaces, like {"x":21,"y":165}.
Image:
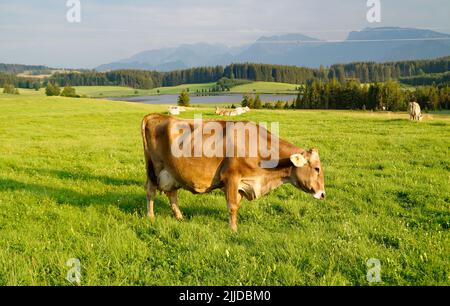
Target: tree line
{"x":7,"y":78}
{"x":389,"y":96}
{"x":16,"y":68}
{"x":271,"y":73}
{"x":370,"y":72}
{"x":428,"y":79}
{"x":130,"y":78}
{"x":420,"y":72}
{"x":140,"y":79}
{"x":364,"y":72}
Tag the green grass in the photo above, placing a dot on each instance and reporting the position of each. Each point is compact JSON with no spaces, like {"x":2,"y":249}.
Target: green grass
{"x":265,"y":87}
{"x":178,"y":89}
{"x":71,"y":186}
{"x":109,"y":91}
{"x":118,"y":91}
{"x":25,"y":92}
{"x":442,"y":112}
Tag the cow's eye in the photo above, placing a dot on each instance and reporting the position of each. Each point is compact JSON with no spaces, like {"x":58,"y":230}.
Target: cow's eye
{"x":317,"y":170}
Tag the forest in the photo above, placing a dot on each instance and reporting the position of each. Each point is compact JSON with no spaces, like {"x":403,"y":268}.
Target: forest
{"x":352,"y":95}
{"x":389,"y":96}
{"x":16,"y":68}
{"x":416,"y":73}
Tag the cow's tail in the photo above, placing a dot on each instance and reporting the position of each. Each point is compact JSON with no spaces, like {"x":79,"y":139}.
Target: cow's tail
{"x":148,"y":159}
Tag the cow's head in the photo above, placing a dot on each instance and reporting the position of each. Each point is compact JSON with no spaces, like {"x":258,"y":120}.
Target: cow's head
{"x":307,"y":173}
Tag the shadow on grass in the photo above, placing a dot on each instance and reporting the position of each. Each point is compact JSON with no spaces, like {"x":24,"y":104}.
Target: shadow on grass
{"x":71,"y":175}
{"x":129,"y":202}
{"x":214,"y":210}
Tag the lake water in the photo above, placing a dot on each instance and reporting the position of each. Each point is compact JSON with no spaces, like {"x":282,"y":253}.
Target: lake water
{"x":225,"y":98}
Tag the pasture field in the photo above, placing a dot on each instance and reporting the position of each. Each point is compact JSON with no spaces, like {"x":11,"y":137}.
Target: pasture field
{"x":71,"y":186}
{"x":109,"y":91}
{"x":26,"y":92}
{"x":171,"y":90}
{"x":119,"y":91}
{"x":266,"y":87}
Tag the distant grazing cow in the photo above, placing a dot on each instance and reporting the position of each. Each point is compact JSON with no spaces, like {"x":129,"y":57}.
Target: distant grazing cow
{"x":415,"y":111}
{"x":239,"y":176}
{"x":176,"y":110}
{"x":242,"y":110}
{"x":222,"y":112}
{"x":232,"y":112}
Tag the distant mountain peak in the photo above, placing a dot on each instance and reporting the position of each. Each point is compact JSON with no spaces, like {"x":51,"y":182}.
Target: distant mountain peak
{"x":287,"y":38}
{"x":387,"y":33}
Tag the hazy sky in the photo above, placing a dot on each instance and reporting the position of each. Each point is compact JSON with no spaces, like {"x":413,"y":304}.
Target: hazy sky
{"x":37,"y":31}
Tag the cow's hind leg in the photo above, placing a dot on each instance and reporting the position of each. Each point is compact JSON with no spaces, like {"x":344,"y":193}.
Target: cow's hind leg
{"x":173,"y":198}
{"x":151,"y":194}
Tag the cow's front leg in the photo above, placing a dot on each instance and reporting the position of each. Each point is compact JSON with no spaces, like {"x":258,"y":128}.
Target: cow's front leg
{"x":173,"y":198}
{"x":233,"y":202}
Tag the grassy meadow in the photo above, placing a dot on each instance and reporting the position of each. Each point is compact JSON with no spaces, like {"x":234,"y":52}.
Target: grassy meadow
{"x":118,"y":91}
{"x":71,"y":186}
{"x":266,"y":87}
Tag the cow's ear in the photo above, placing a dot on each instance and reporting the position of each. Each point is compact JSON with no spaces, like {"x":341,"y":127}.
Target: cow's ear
{"x":314,"y":154}
{"x":298,"y":160}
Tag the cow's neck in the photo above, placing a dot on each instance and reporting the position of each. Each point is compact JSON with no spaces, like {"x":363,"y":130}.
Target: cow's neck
{"x":275,"y":178}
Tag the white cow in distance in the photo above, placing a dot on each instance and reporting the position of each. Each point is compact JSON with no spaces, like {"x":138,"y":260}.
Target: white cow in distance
{"x":415,"y":113}
{"x":176,"y":110}
{"x":242,"y":110}
{"x":232,"y":112}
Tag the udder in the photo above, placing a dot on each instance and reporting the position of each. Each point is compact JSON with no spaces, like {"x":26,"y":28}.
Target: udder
{"x":166,"y":181}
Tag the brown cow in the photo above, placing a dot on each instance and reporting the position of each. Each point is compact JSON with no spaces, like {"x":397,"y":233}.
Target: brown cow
{"x":237,"y":175}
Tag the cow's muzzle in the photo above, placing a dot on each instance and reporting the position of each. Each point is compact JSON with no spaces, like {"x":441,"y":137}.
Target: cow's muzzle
{"x":320,"y":195}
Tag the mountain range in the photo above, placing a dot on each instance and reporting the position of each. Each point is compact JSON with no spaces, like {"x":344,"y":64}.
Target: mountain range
{"x":371,"y":44}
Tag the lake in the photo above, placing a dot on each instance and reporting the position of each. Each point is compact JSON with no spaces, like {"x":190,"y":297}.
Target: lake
{"x":216,"y":99}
